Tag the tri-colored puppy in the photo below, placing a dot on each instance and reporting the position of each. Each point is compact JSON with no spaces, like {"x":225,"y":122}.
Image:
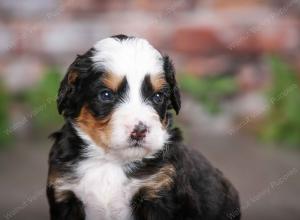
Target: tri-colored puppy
{"x":117,"y":156}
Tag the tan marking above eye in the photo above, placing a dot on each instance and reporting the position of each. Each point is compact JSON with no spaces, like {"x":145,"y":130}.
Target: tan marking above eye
{"x":158,"y":82}
{"x":112,"y":81}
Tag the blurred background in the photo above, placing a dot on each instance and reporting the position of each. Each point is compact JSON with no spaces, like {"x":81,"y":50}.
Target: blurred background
{"x":238,"y":65}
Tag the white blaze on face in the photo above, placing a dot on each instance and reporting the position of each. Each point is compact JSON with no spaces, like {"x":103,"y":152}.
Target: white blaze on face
{"x":134,"y":59}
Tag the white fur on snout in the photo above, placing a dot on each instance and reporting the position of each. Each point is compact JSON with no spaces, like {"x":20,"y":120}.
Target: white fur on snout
{"x":125,"y":118}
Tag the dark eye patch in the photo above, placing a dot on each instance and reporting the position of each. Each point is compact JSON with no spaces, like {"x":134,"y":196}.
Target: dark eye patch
{"x":122,"y":90}
{"x":147,"y":88}
{"x":105,"y":99}
{"x":150,"y":96}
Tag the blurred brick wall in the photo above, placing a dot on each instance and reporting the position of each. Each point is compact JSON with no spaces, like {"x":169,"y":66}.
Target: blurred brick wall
{"x":204,"y":37}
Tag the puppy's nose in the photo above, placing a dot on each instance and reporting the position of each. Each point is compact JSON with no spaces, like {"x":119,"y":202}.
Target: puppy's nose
{"x":139,"y":131}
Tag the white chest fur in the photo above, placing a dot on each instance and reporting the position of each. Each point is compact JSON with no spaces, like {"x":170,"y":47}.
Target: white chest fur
{"x":105,"y":190}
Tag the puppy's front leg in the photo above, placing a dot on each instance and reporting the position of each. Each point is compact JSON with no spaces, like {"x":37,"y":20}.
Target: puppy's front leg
{"x":67,"y":208}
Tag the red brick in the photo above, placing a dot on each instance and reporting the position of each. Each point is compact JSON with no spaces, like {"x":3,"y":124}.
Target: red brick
{"x":197,"y":40}
{"x":207,"y":65}
{"x":225,"y":4}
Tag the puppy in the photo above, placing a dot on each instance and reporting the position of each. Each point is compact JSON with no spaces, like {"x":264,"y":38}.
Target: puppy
{"x":117,"y":157}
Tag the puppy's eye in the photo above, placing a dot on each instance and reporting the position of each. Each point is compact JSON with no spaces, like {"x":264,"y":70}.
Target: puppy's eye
{"x":158,"y":98}
{"x":106,"y":96}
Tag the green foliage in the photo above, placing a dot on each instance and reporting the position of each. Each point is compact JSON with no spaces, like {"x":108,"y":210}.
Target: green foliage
{"x":37,"y":105}
{"x":283,"y":121}
{"x":4,"y":115}
{"x":42,"y":101}
{"x":209,"y":91}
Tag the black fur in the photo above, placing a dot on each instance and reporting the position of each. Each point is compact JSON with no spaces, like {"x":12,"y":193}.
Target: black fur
{"x":71,"y":208}
{"x":169,"y":71}
{"x":121,"y":37}
{"x":66,"y":152}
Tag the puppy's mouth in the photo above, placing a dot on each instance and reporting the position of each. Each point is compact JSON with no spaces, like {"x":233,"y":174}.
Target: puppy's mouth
{"x":136,"y":143}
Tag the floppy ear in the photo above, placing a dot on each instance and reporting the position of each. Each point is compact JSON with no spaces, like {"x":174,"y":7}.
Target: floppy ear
{"x":66,"y":89}
{"x":171,"y":80}
{"x":68,"y":95}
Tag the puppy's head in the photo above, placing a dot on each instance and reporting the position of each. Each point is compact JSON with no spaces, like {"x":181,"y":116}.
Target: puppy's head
{"x":117,"y":96}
